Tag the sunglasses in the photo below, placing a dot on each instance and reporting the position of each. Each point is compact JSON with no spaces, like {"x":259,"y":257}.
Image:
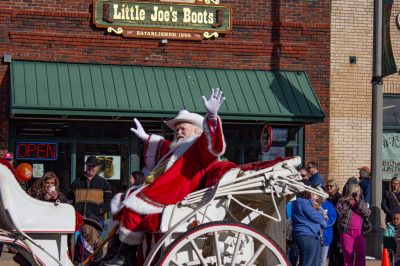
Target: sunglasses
{"x":331,"y":186}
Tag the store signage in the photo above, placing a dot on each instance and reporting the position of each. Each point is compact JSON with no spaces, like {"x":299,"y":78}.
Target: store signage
{"x":201,"y":20}
{"x":110,"y":166}
{"x":37,"y":151}
{"x":390,"y":155}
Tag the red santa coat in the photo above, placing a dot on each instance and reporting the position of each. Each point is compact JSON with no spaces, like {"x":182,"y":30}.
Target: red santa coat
{"x":185,"y":167}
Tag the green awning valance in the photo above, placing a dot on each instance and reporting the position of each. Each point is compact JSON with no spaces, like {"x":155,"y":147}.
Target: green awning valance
{"x":68,"y":89}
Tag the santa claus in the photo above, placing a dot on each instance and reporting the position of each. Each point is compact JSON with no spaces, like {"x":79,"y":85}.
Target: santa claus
{"x":176,"y":169}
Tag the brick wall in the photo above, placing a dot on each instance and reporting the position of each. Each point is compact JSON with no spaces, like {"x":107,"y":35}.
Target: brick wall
{"x":268,"y":35}
{"x":351,"y":89}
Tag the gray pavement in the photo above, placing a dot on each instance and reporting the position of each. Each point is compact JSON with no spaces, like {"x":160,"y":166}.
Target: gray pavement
{"x":6,"y":260}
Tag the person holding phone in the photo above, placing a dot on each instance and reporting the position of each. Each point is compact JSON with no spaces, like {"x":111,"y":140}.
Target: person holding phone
{"x":353,"y":224}
{"x":47,"y":188}
{"x":391,"y":199}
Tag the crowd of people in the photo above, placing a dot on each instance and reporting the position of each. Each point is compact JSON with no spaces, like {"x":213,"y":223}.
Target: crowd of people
{"x":333,"y":230}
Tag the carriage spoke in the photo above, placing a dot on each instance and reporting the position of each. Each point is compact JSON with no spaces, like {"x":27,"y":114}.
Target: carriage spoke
{"x":233,"y":244}
{"x":196,"y":249}
{"x":237,"y":246}
{"x":175,"y":262}
{"x":217,"y":251}
{"x":255,"y":256}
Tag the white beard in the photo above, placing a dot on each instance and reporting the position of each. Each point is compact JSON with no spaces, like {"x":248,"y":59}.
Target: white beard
{"x":176,"y":149}
{"x":176,"y":143}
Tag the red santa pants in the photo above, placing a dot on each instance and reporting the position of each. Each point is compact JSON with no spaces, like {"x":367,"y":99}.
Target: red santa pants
{"x":133,"y":226}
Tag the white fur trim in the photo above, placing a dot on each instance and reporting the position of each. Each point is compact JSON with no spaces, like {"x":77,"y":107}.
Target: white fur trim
{"x":209,"y":138}
{"x":152,"y":143}
{"x":130,"y":237}
{"x":140,"y":206}
{"x":143,"y":207}
{"x":116,"y":203}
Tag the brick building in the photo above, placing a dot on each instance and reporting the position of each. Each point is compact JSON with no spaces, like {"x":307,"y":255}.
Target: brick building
{"x":351,"y":88}
{"x":76,"y":87}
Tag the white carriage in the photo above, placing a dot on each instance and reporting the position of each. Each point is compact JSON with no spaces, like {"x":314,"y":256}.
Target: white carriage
{"x":219,"y":225}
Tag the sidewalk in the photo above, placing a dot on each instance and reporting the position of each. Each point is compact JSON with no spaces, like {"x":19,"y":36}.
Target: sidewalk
{"x":6,"y":260}
{"x":373,"y":262}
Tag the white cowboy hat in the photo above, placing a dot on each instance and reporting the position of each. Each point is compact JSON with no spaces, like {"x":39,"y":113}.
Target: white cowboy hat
{"x":185,"y":116}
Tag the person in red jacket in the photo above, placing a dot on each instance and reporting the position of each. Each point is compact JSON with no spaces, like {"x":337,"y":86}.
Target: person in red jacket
{"x":198,"y":140}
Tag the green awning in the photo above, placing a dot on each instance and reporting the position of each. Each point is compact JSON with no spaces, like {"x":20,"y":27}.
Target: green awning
{"x":69,"y":89}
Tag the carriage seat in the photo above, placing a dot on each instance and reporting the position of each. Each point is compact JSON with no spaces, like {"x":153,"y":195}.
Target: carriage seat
{"x":217,"y":171}
{"x":216,"y":211}
{"x":27,"y":214}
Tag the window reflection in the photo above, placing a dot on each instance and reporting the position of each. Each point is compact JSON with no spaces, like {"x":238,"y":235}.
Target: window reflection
{"x":43,"y":129}
{"x":391,"y":111}
{"x":243,"y":143}
{"x":101,"y":131}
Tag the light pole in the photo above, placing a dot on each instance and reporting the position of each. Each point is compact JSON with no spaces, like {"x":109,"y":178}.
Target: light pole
{"x":375,"y":236}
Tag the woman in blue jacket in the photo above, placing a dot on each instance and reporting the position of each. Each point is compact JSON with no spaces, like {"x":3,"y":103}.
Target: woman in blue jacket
{"x":330,"y":211}
{"x":307,"y":219}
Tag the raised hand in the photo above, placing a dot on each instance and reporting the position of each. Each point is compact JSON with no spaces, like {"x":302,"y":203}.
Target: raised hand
{"x":139,"y":131}
{"x":213,"y":104}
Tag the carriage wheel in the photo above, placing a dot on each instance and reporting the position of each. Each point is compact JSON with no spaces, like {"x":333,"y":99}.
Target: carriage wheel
{"x":223,"y":243}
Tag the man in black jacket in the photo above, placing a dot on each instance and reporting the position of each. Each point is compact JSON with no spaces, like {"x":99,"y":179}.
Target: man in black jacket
{"x":90,"y":193}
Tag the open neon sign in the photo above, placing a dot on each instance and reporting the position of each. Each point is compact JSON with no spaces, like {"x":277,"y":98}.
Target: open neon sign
{"x":37,"y":150}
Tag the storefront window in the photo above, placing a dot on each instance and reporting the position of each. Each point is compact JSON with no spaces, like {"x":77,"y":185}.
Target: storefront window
{"x":285,"y":143}
{"x":114,"y":158}
{"x":61,"y":166}
{"x":391,"y":112}
{"x":115,"y":145}
{"x":43,"y":129}
{"x":243,"y":143}
{"x":112,"y":142}
{"x":104,"y":131}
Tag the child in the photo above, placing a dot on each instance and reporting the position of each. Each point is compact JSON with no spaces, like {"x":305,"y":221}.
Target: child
{"x":327,"y":235}
{"x":87,"y":240}
{"x":391,"y":237}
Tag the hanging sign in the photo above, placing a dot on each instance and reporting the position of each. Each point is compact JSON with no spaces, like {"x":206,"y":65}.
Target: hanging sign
{"x":202,"y":20}
{"x":266,"y":138}
{"x":37,"y":170}
{"x":390,"y":155}
{"x":37,"y":151}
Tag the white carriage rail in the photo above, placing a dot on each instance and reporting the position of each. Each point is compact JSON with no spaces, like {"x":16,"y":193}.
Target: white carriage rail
{"x":277,"y":181}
